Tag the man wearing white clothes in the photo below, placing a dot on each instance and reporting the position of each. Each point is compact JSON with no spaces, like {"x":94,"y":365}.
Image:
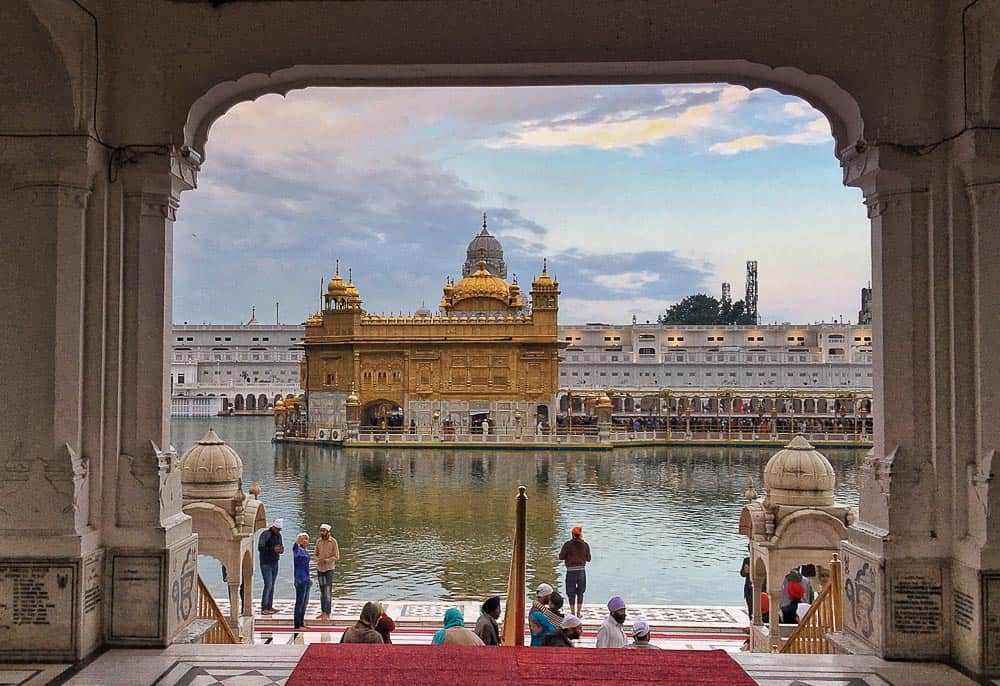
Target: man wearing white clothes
{"x":612,"y":631}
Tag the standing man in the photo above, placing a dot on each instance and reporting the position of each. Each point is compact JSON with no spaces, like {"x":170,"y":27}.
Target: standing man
{"x":326,"y":553}
{"x":576,"y":554}
{"x":487,"y":628}
{"x":300,"y":560}
{"x":612,"y":632}
{"x":269,"y":548}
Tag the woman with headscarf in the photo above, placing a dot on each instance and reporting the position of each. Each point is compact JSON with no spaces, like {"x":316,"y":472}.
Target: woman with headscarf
{"x":454,"y":632}
{"x":540,"y":625}
{"x":363,"y":630}
{"x":385,"y":625}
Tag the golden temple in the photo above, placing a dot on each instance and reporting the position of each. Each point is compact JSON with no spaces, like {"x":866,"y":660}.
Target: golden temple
{"x":483,"y":356}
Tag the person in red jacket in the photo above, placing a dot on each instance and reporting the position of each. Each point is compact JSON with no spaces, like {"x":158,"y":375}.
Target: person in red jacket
{"x":385,"y":625}
{"x":576,"y":554}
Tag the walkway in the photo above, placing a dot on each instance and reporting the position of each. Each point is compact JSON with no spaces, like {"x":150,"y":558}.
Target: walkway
{"x":269,"y":665}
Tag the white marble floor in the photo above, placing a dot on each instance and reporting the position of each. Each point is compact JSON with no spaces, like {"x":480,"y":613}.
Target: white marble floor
{"x":270,"y":665}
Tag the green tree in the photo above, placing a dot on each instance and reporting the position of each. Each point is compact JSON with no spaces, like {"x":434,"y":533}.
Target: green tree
{"x":694,"y":309}
{"x":704,"y":309}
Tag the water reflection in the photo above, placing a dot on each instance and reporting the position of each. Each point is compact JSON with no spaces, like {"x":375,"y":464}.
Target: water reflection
{"x":437,"y":524}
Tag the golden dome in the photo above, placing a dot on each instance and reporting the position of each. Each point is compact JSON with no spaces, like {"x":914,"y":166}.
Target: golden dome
{"x":336,"y":285}
{"x":211,"y":469}
{"x":480,"y":284}
{"x":798,"y":474}
{"x":544,"y":279}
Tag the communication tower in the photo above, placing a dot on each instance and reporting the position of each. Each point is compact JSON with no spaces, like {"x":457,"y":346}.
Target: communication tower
{"x":750,"y":300}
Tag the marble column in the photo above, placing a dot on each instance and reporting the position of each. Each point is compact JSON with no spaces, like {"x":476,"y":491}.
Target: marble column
{"x":975,"y":570}
{"x":93,"y":547}
{"x":153,"y":552}
{"x":900,"y":546}
{"x":50,"y":558}
{"x":922,"y":565}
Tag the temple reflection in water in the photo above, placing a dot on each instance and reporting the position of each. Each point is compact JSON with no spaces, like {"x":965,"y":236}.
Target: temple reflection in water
{"x":437,"y":524}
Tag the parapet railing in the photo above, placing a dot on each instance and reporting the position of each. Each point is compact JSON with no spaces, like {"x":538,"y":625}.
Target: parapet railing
{"x":508,"y":437}
{"x":825,"y":616}
{"x":208,"y":609}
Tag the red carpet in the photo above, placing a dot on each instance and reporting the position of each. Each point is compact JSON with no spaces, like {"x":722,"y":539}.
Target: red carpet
{"x":361,"y":665}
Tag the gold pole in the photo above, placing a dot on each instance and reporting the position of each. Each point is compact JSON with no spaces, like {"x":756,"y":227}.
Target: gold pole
{"x":513,"y":623}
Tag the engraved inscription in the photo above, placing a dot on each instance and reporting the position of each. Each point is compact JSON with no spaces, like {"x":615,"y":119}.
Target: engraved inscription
{"x":991,"y":625}
{"x":916,"y":604}
{"x":92,"y":584}
{"x":964,"y":606}
{"x":36,"y":607}
{"x":136,"y":582}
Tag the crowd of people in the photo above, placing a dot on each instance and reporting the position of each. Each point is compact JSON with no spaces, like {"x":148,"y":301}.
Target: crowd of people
{"x":548,"y":623}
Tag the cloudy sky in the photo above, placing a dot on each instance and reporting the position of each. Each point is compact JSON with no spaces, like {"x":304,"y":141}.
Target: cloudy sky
{"x":637,"y":195}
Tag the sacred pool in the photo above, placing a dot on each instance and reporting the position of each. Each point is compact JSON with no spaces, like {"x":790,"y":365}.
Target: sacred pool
{"x":435,"y":524}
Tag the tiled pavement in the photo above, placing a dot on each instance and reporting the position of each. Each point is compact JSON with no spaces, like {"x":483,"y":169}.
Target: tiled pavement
{"x":683,"y":618}
{"x":277,"y":650}
{"x":270,"y":665}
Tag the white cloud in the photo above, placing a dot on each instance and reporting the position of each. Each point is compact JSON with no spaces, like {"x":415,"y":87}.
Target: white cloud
{"x":626,"y":281}
{"x":614,"y":131}
{"x":800,"y":108}
{"x":814,"y":133}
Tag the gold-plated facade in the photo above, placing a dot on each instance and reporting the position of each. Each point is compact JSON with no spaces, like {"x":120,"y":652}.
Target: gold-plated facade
{"x":484,"y":355}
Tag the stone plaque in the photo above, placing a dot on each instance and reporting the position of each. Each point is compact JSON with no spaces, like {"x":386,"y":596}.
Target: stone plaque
{"x":37,"y":609}
{"x":917,"y":602}
{"x":136,"y":583}
{"x":965,"y":609}
{"x":92,"y":591}
{"x":861,"y":608}
{"x":991,"y":623}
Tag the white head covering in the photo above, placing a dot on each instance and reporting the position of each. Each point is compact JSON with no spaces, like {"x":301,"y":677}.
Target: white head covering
{"x":543,"y":590}
{"x":640,"y":628}
{"x":324,"y":526}
{"x":570,"y":621}
{"x":278,"y":523}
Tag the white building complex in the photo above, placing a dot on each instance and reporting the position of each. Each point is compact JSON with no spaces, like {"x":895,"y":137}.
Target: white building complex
{"x":243,"y":368}
{"x":246,"y":367}
{"x":649,"y":356}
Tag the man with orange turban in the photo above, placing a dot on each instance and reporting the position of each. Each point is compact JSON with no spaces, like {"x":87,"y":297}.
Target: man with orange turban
{"x":576,"y":554}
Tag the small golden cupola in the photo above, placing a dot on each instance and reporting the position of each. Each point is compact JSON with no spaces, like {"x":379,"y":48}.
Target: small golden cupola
{"x":336,"y":291}
{"x":352,"y":294}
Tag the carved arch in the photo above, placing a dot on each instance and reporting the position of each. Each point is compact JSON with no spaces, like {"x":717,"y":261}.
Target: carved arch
{"x":839,"y":106}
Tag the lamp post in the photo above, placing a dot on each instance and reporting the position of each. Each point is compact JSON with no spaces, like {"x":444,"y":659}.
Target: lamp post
{"x":435,"y":418}
{"x":517,"y":418}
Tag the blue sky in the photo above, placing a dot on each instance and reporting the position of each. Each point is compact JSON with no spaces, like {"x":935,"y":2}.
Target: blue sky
{"x":637,"y":195}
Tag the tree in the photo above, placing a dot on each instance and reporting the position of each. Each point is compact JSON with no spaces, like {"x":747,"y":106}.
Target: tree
{"x":694,"y":309}
{"x":706,"y":310}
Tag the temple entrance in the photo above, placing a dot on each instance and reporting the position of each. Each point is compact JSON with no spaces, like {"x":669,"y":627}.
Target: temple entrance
{"x":912,"y":155}
{"x":382,"y":415}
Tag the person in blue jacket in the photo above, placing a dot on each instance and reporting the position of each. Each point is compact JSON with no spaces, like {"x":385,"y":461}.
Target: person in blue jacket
{"x":303,"y":582}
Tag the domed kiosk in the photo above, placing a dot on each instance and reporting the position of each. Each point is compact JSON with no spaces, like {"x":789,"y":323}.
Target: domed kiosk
{"x":225,"y":519}
{"x":796,"y":523}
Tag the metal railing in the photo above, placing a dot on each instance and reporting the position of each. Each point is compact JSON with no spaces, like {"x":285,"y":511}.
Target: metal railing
{"x":825,"y":616}
{"x":208,"y":609}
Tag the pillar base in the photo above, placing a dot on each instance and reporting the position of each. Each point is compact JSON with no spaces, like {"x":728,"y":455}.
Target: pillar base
{"x":894,"y":602}
{"x":153,"y":593}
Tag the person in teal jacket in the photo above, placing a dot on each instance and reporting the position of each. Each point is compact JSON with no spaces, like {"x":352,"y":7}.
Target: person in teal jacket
{"x":540,"y":625}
